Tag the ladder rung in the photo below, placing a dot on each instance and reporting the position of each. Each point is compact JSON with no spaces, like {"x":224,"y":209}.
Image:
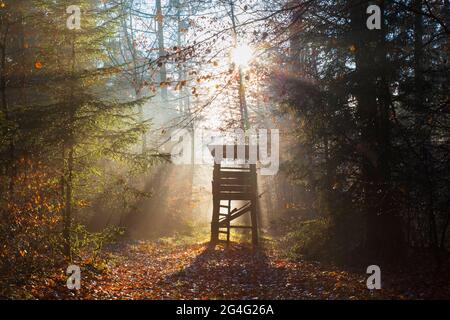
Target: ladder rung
{"x":241,"y":227}
{"x":235,"y":174}
{"x":222,"y":206}
{"x":234,"y":168}
{"x":236,"y":188}
{"x":220,"y":231}
{"x":235,"y":196}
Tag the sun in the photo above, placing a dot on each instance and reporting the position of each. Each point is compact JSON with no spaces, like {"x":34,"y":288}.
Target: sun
{"x":241,"y":55}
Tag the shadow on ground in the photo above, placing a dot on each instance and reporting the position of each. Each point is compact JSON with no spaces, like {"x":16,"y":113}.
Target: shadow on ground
{"x":227,"y":272}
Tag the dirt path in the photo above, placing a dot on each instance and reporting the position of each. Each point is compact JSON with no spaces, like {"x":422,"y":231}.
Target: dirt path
{"x":144,"y":270}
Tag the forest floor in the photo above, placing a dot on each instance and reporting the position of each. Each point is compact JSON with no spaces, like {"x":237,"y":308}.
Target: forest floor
{"x":187,"y":268}
{"x":178,"y":270}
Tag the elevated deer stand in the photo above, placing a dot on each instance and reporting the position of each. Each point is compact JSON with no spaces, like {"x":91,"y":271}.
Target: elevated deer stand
{"x":230,"y":184}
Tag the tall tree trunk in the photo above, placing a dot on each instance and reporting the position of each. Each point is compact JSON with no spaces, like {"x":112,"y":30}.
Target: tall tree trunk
{"x":242,"y":100}
{"x":161,"y":51}
{"x":368,"y":45}
{"x":137,"y":78}
{"x":10,"y":167}
{"x":70,"y":143}
{"x":421,"y":118}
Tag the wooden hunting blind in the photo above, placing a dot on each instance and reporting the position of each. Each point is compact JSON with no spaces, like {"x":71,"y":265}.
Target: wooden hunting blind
{"x":231,"y":184}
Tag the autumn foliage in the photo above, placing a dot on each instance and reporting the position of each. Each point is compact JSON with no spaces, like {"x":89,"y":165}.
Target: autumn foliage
{"x":30,"y":229}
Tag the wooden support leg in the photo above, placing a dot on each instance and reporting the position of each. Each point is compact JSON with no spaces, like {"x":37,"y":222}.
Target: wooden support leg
{"x":254,"y":207}
{"x":228,"y":223}
{"x":254,"y":224}
{"x":216,"y":207}
{"x":215,"y":222}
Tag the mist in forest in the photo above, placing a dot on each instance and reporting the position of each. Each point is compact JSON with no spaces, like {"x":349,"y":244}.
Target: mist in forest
{"x":101,"y":104}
